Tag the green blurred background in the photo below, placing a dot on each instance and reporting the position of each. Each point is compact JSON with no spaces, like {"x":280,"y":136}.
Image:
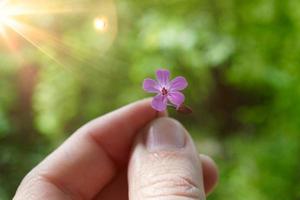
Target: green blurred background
{"x":59,"y":69}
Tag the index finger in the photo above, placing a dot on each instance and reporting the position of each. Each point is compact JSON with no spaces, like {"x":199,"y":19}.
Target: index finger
{"x":89,"y":159}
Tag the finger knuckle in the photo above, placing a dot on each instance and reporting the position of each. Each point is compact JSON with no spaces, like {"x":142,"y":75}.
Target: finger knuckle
{"x":169,"y":186}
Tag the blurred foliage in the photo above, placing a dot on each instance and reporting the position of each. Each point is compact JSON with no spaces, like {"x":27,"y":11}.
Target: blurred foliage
{"x":241,"y":59}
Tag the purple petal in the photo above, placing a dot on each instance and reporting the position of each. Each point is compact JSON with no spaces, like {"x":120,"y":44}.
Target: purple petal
{"x":163,"y":76}
{"x":150,"y":85}
{"x":159,"y":102}
{"x":176,"y":98}
{"x":178,"y":83}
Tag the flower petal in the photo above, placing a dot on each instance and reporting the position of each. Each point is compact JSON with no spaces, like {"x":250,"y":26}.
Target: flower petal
{"x":178,"y":83}
{"x":163,"y":76}
{"x":176,"y":98}
{"x":159,"y":102}
{"x":150,"y":85}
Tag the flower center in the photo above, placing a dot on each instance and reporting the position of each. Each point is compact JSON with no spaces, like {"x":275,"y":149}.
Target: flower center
{"x":164,"y":91}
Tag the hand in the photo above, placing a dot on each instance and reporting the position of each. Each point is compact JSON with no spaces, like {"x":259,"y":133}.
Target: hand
{"x":155,"y":154}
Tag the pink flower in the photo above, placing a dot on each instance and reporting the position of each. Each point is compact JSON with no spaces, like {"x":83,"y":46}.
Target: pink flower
{"x":166,"y":90}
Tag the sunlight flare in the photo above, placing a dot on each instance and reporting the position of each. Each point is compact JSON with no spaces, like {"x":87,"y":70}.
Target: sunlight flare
{"x":34,"y":21}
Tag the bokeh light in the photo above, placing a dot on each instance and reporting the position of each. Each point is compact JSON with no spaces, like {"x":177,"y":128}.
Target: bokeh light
{"x":100,"y":24}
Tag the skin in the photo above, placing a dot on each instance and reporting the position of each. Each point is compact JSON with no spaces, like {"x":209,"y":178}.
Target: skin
{"x":93,"y":162}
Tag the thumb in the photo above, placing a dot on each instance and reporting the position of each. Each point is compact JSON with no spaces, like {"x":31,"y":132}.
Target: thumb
{"x":165,"y":164}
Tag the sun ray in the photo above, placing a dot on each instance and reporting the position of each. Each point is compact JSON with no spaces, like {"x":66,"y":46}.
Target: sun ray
{"x":15,"y":25}
{"x":67,"y":48}
{"x":19,"y":29}
{"x":36,"y":36}
{"x":62,"y":52}
{"x":8,"y":12}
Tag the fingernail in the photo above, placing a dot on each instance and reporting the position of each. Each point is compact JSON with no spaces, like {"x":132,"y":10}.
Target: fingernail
{"x":165,"y":134}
